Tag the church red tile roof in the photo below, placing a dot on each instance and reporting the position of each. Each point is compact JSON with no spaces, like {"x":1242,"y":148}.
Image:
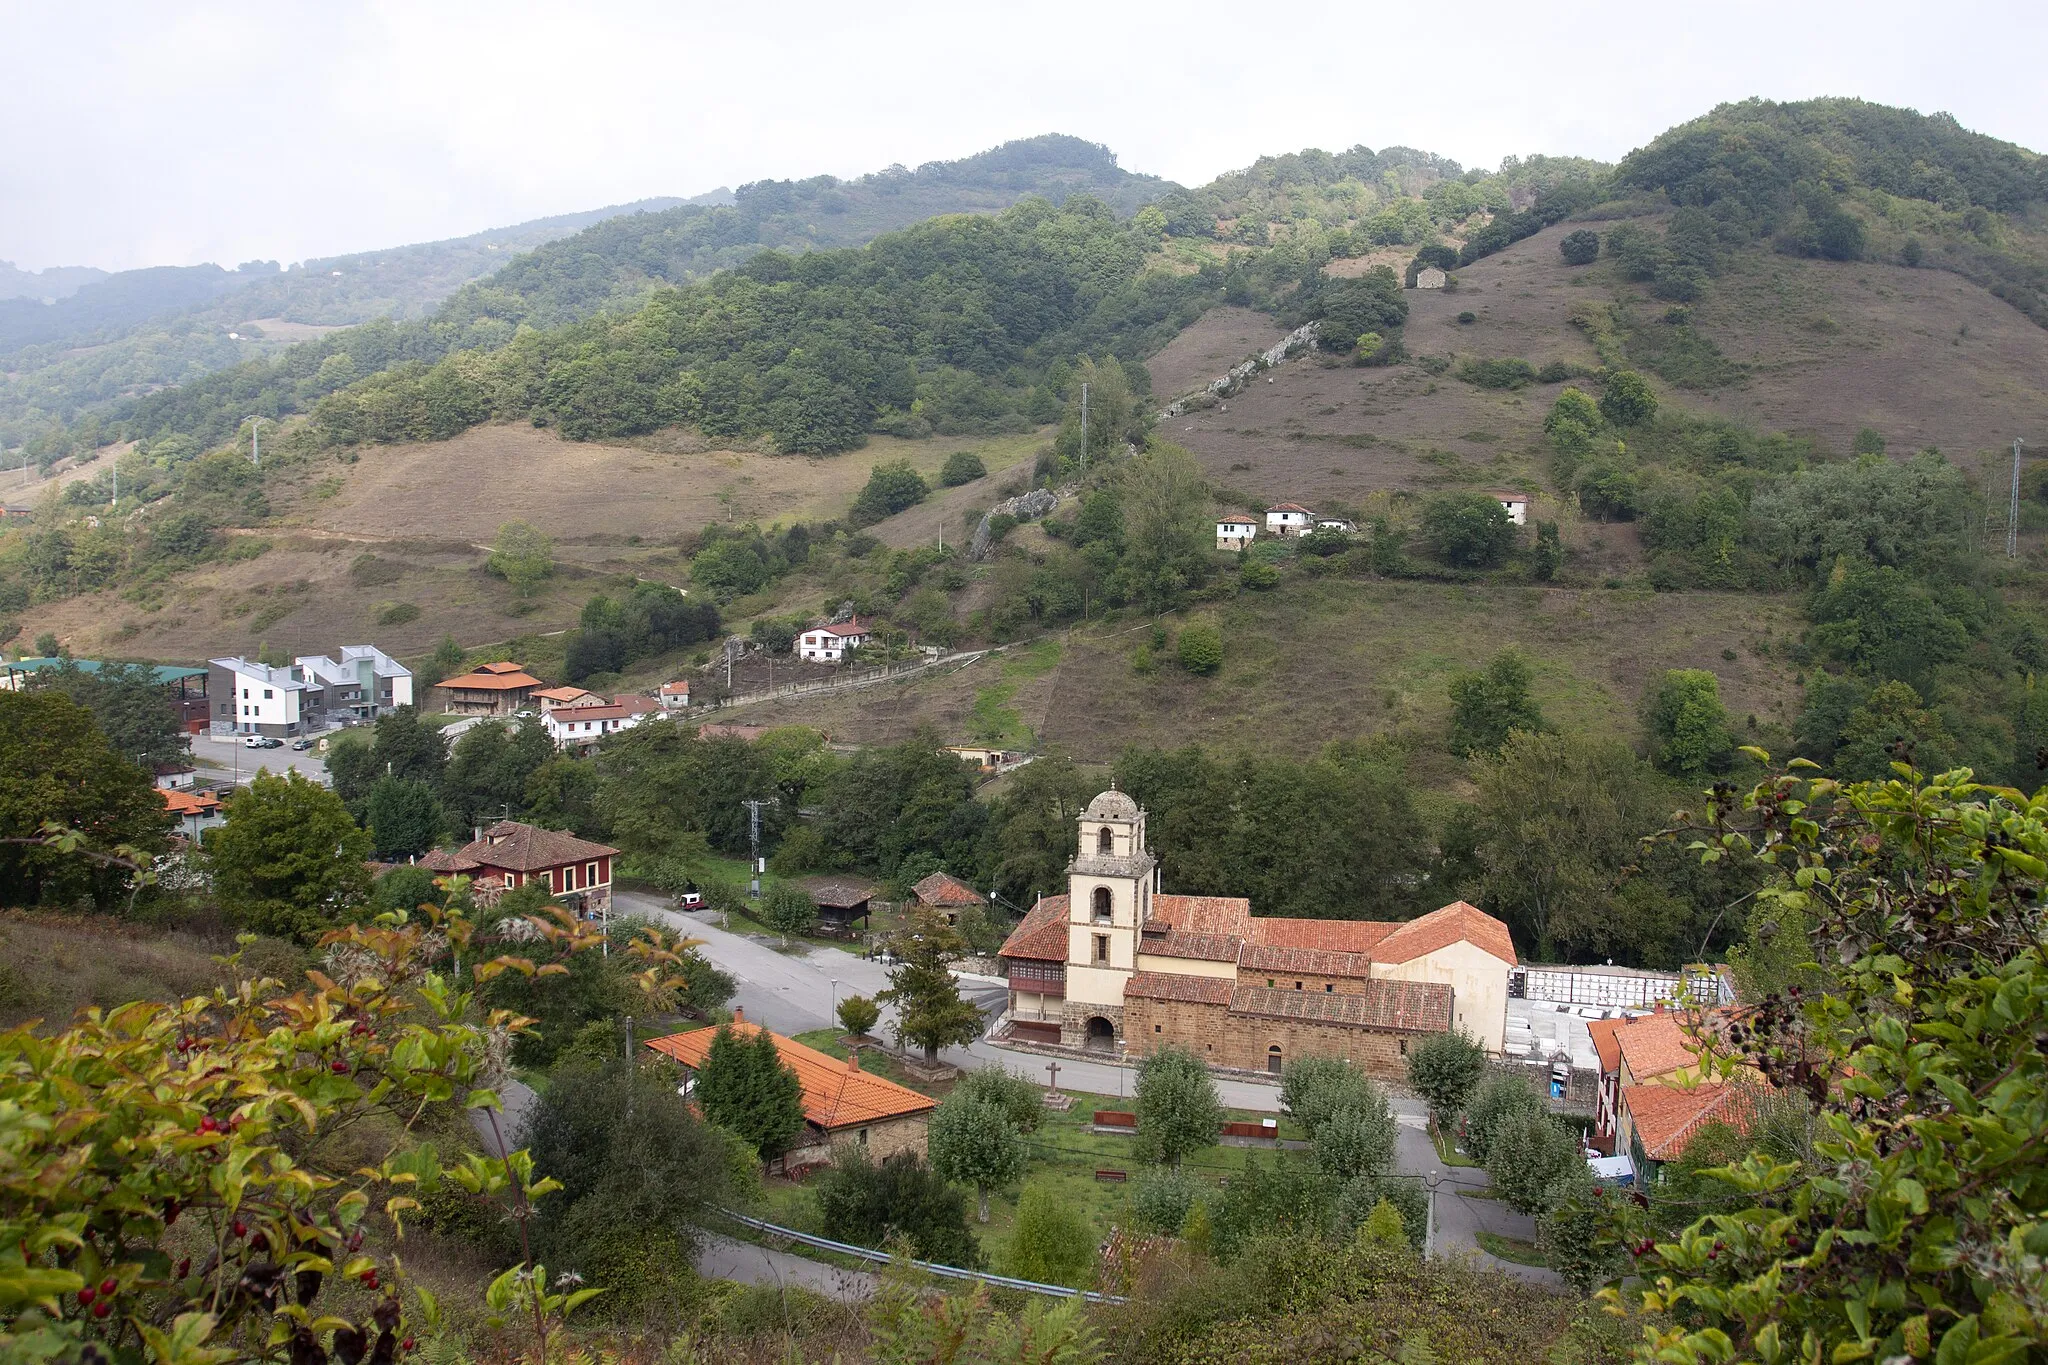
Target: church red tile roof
{"x":1321,"y":935}
{"x":1403,"y":1006}
{"x":1201,"y":914}
{"x":1440,"y":929}
{"x":1201,"y":947}
{"x":1260,"y":957}
{"x":1041,"y":936}
{"x":1197,"y":990}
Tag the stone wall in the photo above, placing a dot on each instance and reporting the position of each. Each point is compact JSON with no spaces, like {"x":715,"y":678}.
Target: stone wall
{"x":1074,"y":1017}
{"x":1241,"y":1042}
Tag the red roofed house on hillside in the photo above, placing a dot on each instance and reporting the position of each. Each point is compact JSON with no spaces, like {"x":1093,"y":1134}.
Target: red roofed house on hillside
{"x":830,"y":644}
{"x":490,"y":690}
{"x":1116,"y":963}
{"x":578,"y":727}
{"x":1289,"y":519}
{"x":195,"y":811}
{"x":575,"y":871}
{"x":844,"y":1106}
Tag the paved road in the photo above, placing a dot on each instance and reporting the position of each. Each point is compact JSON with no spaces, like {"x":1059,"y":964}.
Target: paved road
{"x":722,"y":1258}
{"x":226,"y":760}
{"x":793,"y":992}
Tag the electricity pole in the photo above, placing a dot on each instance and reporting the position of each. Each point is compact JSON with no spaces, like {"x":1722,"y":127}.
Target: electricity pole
{"x":2012,"y":515}
{"x":256,"y":440}
{"x":754,"y":840}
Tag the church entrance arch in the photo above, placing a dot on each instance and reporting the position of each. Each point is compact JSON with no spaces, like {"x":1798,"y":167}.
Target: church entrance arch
{"x":1101,"y":1034}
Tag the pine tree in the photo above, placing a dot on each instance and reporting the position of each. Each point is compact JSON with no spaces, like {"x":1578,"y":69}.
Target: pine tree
{"x":929,"y":1010}
{"x":744,"y":1087}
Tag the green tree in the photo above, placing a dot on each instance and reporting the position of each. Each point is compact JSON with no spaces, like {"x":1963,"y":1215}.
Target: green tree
{"x":1500,"y":1100}
{"x":1685,"y":726}
{"x":744,"y":1088}
{"x":1051,"y":1243}
{"x":1032,"y":826}
{"x":523,"y":556}
{"x":1627,"y":400}
{"x":1200,"y":648}
{"x":1444,"y":1069}
{"x":875,"y":1204}
{"x":133,"y":709}
{"x":1163,"y":1199}
{"x":289,"y":861}
{"x":444,"y":662}
{"x":1571,"y":424}
{"x":1357,"y":1139}
{"x":892,"y":486}
{"x":1579,"y":248}
{"x":929,"y":1010}
{"x":489,"y":769}
{"x":1527,"y":1154}
{"x":1166,"y":529}
{"x":57,"y":767}
{"x":1257,"y":574}
{"x":1115,"y":416}
{"x":973,"y":1142}
{"x":1018,"y":1098}
{"x":1178,"y":1108}
{"x":1468,"y":530}
{"x":403,"y":816}
{"x":1314,"y":1088}
{"x":1549,"y":551}
{"x":1488,"y":706}
{"x":858,"y":1015}
{"x":1577,"y":1232}
{"x":405,"y":887}
{"x":788,"y":910}
{"x":962,"y":466}
{"x":1891,"y":726}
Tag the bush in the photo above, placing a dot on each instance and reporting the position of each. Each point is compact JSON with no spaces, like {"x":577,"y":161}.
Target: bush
{"x":891,"y":487}
{"x":1496,"y":374}
{"x":1257,"y":574}
{"x":788,"y":911}
{"x":1549,"y":551}
{"x":1468,"y":530}
{"x":1051,"y":1242}
{"x":1201,"y":648}
{"x":858,"y":1015}
{"x":1162,"y":1199}
{"x":1685,"y":725}
{"x":1627,"y":400}
{"x":962,"y":466}
{"x":872,"y":1205}
{"x":1580,"y":248}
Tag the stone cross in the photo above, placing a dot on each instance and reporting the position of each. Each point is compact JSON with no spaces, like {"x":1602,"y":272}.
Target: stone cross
{"x":1052,"y":1070}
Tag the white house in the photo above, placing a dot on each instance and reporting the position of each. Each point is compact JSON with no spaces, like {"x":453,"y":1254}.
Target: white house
{"x":1337,"y":524}
{"x":1516,"y":505}
{"x":1235,"y":531}
{"x":830,"y":644}
{"x":555,"y":698}
{"x":364,"y":683}
{"x":195,"y":812}
{"x":580,"y":727}
{"x":675,"y":696}
{"x":1289,"y":519}
{"x":254,"y":699}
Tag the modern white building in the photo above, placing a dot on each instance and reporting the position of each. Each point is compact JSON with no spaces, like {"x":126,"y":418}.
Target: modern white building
{"x":830,"y":644}
{"x":365,"y":683}
{"x":582,"y":726}
{"x":254,"y":699}
{"x":311,"y":693}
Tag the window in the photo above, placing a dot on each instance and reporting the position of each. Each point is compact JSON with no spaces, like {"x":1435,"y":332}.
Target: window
{"x":1102,"y":904}
{"x":1158,"y":1028}
{"x":863,"y":1137}
{"x":1297,"y":985}
{"x":1102,"y":947}
{"x":245,"y":694}
{"x":1269,"y":983}
{"x":547,"y":879}
{"x":267,"y":694}
{"x":1404,"y":1047}
{"x":590,"y":874}
{"x":569,"y":878}
{"x":1329,"y":988}
{"x":1104,"y":844}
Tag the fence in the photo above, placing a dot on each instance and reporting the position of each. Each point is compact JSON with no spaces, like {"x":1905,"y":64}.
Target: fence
{"x":950,"y":1272}
{"x":864,"y":678}
{"x":1615,"y":988}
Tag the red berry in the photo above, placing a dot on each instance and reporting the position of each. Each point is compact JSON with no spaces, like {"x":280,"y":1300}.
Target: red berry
{"x":184,"y":1268}
{"x":406,"y":1345}
{"x":339,"y":1068}
{"x":109,"y":1285}
{"x":102,"y":1308}
{"x":85,"y":1297}
{"x":239,"y":1228}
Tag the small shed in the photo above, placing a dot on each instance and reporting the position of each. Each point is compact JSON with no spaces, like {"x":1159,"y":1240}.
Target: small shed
{"x":841,"y":904}
{"x":947,"y":894}
{"x":1516,"y":505}
{"x":1429,"y":277}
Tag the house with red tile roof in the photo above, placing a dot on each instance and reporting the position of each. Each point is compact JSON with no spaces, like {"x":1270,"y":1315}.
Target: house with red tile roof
{"x":1289,"y":519}
{"x":831,"y":643}
{"x":844,"y":1106}
{"x":947,"y":894}
{"x":577,"y":727}
{"x":575,"y":871}
{"x":1117,"y":964}
{"x":497,"y":689}
{"x":195,"y":811}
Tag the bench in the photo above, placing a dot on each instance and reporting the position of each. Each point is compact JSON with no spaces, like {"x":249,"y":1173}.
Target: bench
{"x":1110,"y":1177}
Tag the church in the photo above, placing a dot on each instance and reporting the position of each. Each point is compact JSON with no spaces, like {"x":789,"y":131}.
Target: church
{"x":1116,"y":965}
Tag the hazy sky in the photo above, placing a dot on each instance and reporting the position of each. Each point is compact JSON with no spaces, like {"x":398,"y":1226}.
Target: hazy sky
{"x":170,"y":133}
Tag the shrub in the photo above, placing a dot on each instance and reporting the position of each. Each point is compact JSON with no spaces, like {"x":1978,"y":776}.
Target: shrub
{"x":398,"y":613}
{"x":1257,"y":574}
{"x":1912,"y":253}
{"x":1163,"y":1199}
{"x":1549,"y":551}
{"x":1627,"y":400}
{"x":858,"y":1015}
{"x":1468,"y":530}
{"x":1201,"y":648}
{"x":1496,"y":374}
{"x":872,"y":1204}
{"x":788,"y":911}
{"x":1685,"y":725}
{"x":1051,"y":1242}
{"x":962,"y":466}
{"x":1580,"y":248}
{"x":891,"y":487}
{"x":1467,"y":318}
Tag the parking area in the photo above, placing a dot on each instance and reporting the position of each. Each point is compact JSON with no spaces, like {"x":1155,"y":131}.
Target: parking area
{"x":227,"y":760}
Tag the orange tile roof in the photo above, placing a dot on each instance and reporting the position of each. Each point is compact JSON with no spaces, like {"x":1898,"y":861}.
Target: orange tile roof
{"x":1261,"y":957}
{"x":836,"y":1094}
{"x":494,"y":678}
{"x":1322,"y":935}
{"x":943,"y":888}
{"x":1606,"y":1044}
{"x":1440,"y":929}
{"x":1201,"y":914}
{"x":1200,"y":947}
{"x":189,"y":803}
{"x":1041,"y":936}
{"x":1407,"y":1006}
{"x":565,"y":693}
{"x":1666,"y":1116}
{"x":1655,"y":1045}
{"x":518,"y":847}
{"x":1199,"y":990}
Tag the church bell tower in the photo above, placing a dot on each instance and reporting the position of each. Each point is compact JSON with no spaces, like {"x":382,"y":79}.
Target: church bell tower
{"x":1109,"y":897}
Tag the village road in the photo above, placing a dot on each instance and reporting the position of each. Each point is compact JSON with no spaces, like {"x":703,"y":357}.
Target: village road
{"x":722,"y":1258}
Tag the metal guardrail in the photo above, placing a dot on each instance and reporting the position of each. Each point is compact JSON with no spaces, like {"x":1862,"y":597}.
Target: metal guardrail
{"x":950,"y":1272}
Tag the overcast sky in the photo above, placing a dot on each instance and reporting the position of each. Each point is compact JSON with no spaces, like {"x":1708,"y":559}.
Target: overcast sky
{"x":171,"y":133}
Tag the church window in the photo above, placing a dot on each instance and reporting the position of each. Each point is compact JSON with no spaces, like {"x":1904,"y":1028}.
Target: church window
{"x":1404,"y":1047}
{"x":1159,"y":1028}
{"x":1269,"y":983}
{"x":1103,"y":843}
{"x":1102,"y":903}
{"x":1329,"y":988}
{"x":1102,"y":947}
{"x":1297,"y":985}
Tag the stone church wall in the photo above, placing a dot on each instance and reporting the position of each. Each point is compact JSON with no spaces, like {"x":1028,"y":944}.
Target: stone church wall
{"x":1241,"y":1042}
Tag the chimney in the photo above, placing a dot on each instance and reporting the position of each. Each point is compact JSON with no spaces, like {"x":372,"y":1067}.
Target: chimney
{"x":853,"y":1061}
{"x":739,"y":1016}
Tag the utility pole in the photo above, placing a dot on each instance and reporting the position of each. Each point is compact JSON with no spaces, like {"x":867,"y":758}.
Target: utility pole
{"x":1429,"y":1225}
{"x":754,"y":841}
{"x":1084,"y":428}
{"x":256,"y":440}
{"x":2012,"y":515}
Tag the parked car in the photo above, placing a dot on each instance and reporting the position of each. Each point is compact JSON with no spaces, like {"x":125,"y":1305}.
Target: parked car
{"x":302,"y":744}
{"x":689,"y":900}
{"x":256,"y":742}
